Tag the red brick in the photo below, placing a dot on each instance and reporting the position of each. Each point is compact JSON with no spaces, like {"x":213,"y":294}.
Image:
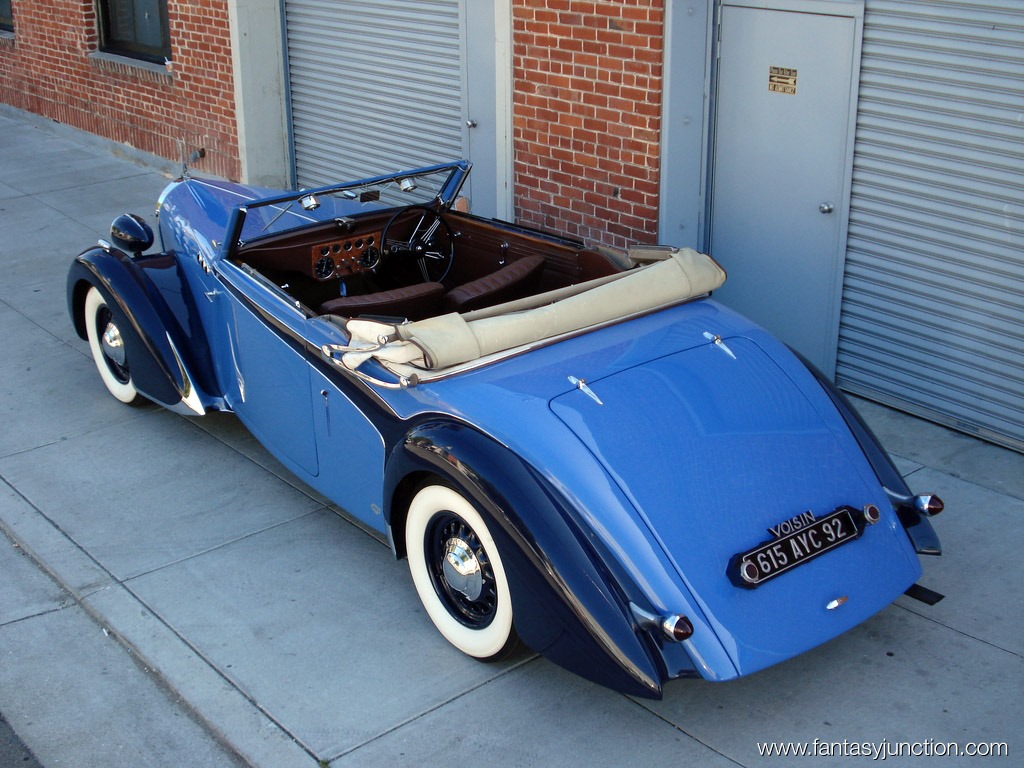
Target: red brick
{"x":601,"y":127}
{"x":48,"y":71}
{"x":586,"y":108}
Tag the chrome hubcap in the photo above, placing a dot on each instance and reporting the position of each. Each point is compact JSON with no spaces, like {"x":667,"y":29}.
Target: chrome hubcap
{"x":462,"y":569}
{"x":113,"y":345}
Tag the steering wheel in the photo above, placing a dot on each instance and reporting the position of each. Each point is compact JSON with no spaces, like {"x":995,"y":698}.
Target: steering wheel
{"x":421,"y":234}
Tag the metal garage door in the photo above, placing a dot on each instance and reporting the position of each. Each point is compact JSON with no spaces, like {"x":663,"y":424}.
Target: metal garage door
{"x":375,"y":85}
{"x":933,"y":303}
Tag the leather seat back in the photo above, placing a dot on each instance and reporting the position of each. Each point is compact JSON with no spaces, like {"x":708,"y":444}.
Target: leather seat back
{"x":413,"y":302}
{"x":510,"y":282}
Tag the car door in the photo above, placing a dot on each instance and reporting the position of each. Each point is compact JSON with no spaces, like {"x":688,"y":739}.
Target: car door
{"x":347,"y":425}
{"x":293,"y":402}
{"x":264,"y":369}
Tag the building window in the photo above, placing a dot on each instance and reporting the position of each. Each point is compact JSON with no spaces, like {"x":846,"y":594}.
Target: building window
{"x":135,"y":28}
{"x":6,"y":17}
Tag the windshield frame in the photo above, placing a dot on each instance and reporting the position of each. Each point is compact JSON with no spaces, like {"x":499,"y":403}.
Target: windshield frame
{"x":290,"y":203}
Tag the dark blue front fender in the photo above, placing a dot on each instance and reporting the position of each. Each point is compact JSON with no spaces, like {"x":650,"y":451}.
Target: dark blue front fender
{"x":161,"y":361}
{"x":564,"y":601}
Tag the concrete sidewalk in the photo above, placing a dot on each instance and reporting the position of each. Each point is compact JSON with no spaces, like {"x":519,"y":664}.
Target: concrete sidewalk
{"x":171,"y":596}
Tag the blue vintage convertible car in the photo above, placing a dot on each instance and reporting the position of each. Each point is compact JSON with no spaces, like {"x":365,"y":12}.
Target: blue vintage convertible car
{"x":576,"y":450}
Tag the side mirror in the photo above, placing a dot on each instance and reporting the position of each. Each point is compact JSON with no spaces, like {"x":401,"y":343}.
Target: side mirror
{"x":132,"y":233}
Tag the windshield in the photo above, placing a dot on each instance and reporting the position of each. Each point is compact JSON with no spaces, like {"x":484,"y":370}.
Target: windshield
{"x":425,"y":186}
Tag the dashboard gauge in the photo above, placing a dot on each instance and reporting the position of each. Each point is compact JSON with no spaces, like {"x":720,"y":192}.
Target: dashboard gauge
{"x":370,"y":258}
{"x":324,"y":267}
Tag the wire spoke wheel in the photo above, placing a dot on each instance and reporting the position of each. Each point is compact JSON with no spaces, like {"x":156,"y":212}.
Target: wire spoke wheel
{"x":457,"y":571}
{"x":460,"y":570}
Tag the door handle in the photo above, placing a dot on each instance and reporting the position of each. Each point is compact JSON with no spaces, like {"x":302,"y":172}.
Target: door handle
{"x":826,"y":207}
{"x":471,"y":123}
{"x":327,"y":410}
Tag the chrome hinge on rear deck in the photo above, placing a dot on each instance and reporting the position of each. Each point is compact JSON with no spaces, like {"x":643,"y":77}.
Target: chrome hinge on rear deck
{"x":582,"y":386}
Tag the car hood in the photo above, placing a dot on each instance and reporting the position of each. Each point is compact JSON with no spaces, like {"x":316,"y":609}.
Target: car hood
{"x":718,"y":443}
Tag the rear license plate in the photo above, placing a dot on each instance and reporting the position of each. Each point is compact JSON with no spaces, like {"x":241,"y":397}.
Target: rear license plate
{"x":784,"y":553}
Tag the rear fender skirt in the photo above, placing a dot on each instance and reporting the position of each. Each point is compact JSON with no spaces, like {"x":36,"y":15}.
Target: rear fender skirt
{"x":563,"y":605}
{"x":918,"y":527}
{"x":155,"y":346}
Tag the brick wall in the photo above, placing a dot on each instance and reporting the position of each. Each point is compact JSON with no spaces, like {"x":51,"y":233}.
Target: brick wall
{"x":587,"y":106}
{"x":46,"y":68}
{"x":587,"y":101}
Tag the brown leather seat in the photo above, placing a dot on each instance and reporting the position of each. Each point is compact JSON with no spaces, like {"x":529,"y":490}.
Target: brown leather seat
{"x":510,"y":282}
{"x":413,"y":302}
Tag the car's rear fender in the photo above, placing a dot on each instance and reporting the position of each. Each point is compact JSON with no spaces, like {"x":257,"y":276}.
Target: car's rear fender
{"x":918,"y":527}
{"x":163,"y":361}
{"x":563,"y":605}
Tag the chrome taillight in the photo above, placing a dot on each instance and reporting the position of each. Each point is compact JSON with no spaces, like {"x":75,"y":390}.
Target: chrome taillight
{"x":872,"y":514}
{"x":677,"y":628}
{"x":749,"y":572}
{"x":928,"y":504}
{"x":674,"y":626}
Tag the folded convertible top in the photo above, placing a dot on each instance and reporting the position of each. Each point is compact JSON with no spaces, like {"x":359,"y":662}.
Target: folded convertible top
{"x":443,"y":345}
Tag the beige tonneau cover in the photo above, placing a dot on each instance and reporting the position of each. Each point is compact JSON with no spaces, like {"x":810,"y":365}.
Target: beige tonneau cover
{"x":440,"y":346}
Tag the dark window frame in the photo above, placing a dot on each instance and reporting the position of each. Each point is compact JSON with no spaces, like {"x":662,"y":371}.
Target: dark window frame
{"x":6,"y":16}
{"x":119,"y":33}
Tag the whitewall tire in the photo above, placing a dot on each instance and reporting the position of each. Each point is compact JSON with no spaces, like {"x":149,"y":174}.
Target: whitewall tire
{"x":108,"y":351}
{"x":457,"y":571}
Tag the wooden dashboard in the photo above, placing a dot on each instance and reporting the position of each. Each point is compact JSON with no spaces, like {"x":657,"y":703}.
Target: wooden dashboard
{"x":350,"y":255}
{"x":344,"y":247}
{"x":331,"y":250}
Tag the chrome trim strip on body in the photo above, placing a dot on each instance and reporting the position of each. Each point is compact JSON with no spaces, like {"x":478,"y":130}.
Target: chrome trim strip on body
{"x":189,"y":396}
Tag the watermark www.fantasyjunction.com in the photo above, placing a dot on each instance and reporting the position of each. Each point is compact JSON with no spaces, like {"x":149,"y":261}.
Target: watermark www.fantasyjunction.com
{"x":882,"y":750}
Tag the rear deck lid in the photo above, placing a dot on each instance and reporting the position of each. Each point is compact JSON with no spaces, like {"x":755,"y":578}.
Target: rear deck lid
{"x":715,"y":446}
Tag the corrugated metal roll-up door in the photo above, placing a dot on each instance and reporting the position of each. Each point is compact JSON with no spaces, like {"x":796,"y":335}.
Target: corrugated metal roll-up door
{"x":933,"y":303}
{"x":375,"y":85}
